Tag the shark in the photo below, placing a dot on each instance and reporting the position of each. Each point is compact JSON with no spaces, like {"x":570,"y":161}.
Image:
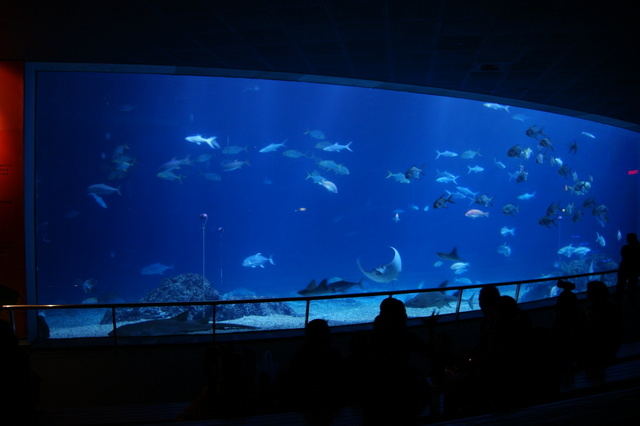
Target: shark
{"x":436,"y":299}
{"x":179,"y":324}
{"x":314,"y":289}
{"x":385,"y":273}
{"x":328,"y":287}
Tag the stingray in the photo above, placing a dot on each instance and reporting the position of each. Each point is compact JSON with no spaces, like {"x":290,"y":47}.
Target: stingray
{"x":385,"y":273}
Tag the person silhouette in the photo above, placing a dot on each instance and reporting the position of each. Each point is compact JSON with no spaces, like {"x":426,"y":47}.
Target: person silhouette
{"x":317,"y":376}
{"x":394,"y":389}
{"x":605,"y":330}
{"x":569,"y":330}
{"x":20,"y":390}
{"x":629,"y":269}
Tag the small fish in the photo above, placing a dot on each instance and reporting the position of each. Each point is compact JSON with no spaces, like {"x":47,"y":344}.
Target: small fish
{"x":547,"y":221}
{"x":516,"y":151}
{"x":566,"y":250}
{"x":499,"y":164}
{"x":505,"y":250}
{"x":273,"y":146}
{"x":447,"y":179}
{"x":467,"y":192}
{"x":212,"y":176}
{"x":534,"y":132}
{"x":175,"y":163}
{"x":520,"y":117}
{"x":619,"y":235}
{"x":330,"y":165}
{"x":414,"y":172}
{"x":569,"y":208}
{"x":336,"y":147}
{"x":589,"y":135}
{"x":438,"y":263}
{"x":330,"y":186}
{"x":169,"y":175}
{"x":475,"y":213}
{"x":484,"y":200}
{"x":316,"y":134}
{"x":445,"y":154}
{"x":475,"y":169}
{"x":442,"y":202}
{"x":504,"y":231}
{"x":229,"y":166}
{"x":198,"y":139}
{"x":293,"y":153}
{"x":155,"y":269}
{"x":88,"y":285}
{"x":98,"y":199}
{"x":459,"y":265}
{"x":545,"y":143}
{"x":510,"y":210}
{"x":496,"y":107}
{"x":396,"y":218}
{"x":469,"y":154}
{"x":102,"y":189}
{"x":234,"y":149}
{"x":315,"y":177}
{"x":581,"y":251}
{"x":527,"y":196}
{"x":600,"y":240}
{"x":202,"y":158}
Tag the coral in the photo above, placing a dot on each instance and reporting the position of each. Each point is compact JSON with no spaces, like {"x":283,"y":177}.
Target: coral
{"x":190,"y":287}
{"x":181,"y":288}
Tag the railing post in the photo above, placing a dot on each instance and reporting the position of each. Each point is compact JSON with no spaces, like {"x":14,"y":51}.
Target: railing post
{"x":518,"y":292}
{"x":213,"y":321}
{"x":306,"y":313}
{"x":113,"y":323}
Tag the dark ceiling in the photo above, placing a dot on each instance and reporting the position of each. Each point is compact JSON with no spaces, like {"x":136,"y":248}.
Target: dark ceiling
{"x":576,"y":56}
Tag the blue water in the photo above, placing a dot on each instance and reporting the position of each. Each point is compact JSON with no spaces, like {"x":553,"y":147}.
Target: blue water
{"x":267,"y":206}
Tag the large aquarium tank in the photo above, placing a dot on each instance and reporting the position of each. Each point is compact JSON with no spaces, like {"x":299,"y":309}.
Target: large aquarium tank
{"x":256,"y":187}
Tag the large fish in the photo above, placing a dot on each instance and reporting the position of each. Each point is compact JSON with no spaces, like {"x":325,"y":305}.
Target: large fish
{"x":436,"y":299}
{"x":257,"y":260}
{"x":179,"y":324}
{"x":325,"y":287}
{"x":385,"y":273}
{"x":314,"y":289}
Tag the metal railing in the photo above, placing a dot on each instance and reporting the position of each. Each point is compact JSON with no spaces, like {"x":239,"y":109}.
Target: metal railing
{"x":308,"y":300}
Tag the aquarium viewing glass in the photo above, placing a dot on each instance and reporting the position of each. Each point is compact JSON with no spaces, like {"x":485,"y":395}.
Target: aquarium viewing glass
{"x":265,"y":185}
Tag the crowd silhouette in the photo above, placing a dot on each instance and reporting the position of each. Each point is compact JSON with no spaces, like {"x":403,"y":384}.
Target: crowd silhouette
{"x":395,"y":375}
